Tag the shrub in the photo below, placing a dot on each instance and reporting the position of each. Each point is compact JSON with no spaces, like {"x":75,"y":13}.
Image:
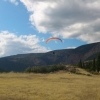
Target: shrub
{"x":29,"y":69}
{"x":45,"y":69}
{"x":88,"y":74}
{"x":53,"y":68}
{"x":36,"y":69}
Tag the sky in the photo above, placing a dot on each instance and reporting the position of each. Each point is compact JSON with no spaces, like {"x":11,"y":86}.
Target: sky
{"x":25,"y":25}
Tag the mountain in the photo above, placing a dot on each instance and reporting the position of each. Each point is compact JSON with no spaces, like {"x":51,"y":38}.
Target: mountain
{"x":66,"y":56}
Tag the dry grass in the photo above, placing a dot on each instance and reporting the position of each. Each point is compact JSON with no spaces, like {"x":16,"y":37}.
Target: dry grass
{"x":53,"y":86}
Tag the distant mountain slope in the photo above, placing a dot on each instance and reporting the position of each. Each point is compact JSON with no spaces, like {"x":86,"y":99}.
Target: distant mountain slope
{"x":66,"y":56}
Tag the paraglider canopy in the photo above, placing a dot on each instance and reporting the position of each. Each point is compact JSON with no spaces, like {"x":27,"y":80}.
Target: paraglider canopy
{"x":53,"y":38}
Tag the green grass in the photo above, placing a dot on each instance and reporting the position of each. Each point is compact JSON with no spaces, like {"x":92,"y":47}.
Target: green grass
{"x":52,"y":86}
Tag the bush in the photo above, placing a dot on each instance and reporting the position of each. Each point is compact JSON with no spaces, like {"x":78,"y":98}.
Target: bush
{"x":88,"y":74}
{"x":73,"y":70}
{"x":95,"y":73}
{"x":28,"y":70}
{"x":44,"y":69}
{"x":61,"y":67}
{"x":36,"y":69}
{"x":54,"y":68}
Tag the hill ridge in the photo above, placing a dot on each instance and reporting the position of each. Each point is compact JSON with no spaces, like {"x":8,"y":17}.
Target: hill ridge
{"x":20,"y":62}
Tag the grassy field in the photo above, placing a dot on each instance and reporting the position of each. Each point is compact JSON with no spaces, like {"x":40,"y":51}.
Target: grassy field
{"x":52,"y":86}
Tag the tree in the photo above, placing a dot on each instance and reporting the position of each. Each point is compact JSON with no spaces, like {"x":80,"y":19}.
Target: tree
{"x":98,"y":63}
{"x":80,"y":64}
{"x":29,"y":69}
{"x":83,"y":65}
{"x":93,"y":65}
{"x":89,"y":66}
{"x":43,"y":69}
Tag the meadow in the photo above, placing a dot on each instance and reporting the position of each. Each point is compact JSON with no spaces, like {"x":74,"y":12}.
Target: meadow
{"x":52,"y":86}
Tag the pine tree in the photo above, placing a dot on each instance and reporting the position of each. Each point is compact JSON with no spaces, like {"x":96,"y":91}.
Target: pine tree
{"x":93,"y":65}
{"x":98,"y":63}
{"x":83,"y":65}
{"x":90,"y":66}
{"x":80,"y":64}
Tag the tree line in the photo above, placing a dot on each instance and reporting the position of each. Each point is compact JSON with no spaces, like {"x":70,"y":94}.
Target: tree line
{"x":92,"y":65}
{"x":45,"y":69}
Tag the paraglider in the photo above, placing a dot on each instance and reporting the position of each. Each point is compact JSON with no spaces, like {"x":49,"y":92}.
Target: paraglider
{"x":53,"y":38}
{"x":53,"y":52}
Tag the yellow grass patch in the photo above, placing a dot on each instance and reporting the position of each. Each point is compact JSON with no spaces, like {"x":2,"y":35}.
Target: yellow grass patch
{"x":53,"y":86}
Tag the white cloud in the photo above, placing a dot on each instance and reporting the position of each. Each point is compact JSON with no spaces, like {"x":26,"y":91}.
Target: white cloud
{"x":71,"y":47}
{"x":67,"y":18}
{"x":13,"y":1}
{"x":11,"y":44}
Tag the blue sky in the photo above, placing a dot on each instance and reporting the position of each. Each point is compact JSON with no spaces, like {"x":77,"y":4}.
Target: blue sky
{"x":26,"y":24}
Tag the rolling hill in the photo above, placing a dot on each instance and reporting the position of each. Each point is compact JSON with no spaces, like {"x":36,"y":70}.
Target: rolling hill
{"x":66,"y":56}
